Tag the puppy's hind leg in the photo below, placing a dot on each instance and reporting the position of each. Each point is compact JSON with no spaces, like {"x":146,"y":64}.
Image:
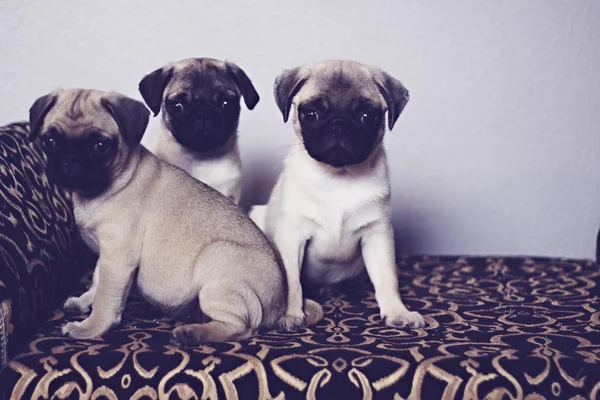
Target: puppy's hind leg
{"x":227,"y":307}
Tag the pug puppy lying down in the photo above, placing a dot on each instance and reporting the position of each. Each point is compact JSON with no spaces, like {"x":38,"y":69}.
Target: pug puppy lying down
{"x":329,"y":213}
{"x":150,"y":222}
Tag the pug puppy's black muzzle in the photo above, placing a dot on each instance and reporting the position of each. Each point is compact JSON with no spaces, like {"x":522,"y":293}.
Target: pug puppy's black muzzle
{"x":66,"y":168}
{"x":202,"y":128}
{"x":70,"y":164}
{"x":338,"y":141}
{"x":74,"y":171}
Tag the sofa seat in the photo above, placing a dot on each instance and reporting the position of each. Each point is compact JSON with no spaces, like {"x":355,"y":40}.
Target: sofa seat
{"x":495,"y":328}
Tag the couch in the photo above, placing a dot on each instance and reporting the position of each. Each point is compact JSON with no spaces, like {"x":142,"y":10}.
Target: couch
{"x":496,"y":327}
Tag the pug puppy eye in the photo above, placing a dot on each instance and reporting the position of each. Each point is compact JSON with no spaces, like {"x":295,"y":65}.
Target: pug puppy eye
{"x":369,"y":118}
{"x":101,"y":146}
{"x":310,"y":116}
{"x":225,"y":103}
{"x":49,"y":143}
{"x":175,"y":108}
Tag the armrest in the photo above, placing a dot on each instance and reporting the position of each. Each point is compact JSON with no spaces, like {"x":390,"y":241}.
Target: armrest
{"x":42,"y":256}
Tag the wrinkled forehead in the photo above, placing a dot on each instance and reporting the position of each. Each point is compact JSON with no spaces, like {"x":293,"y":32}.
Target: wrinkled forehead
{"x":201,"y":77}
{"x":340,"y":86}
{"x":77,"y":113}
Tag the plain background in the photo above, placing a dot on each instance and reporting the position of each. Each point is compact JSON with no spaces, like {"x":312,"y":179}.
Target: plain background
{"x":496,"y":152}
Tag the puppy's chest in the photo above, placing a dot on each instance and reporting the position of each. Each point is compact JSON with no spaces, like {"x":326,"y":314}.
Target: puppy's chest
{"x":223,"y":175}
{"x":339,"y":218}
{"x":86,"y":222}
{"x":336,"y":233}
{"x":215,"y":173}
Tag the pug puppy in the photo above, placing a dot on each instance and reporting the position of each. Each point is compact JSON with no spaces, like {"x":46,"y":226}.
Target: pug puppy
{"x":200,"y":99}
{"x":329,"y":212}
{"x":200,"y":103}
{"x":181,"y":241}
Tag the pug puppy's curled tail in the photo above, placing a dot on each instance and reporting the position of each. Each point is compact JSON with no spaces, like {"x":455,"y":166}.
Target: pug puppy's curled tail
{"x":313,"y":312}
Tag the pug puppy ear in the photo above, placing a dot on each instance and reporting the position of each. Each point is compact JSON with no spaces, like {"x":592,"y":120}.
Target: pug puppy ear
{"x":247,"y":89}
{"x":152,"y":87}
{"x":286,"y":87}
{"x":38,"y":112}
{"x":394,"y":93}
{"x":131,"y":116}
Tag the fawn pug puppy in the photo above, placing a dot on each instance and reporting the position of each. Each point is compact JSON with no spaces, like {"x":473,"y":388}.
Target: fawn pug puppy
{"x":200,"y":103}
{"x":179,"y":239}
{"x":329,"y":213}
{"x":200,"y":99}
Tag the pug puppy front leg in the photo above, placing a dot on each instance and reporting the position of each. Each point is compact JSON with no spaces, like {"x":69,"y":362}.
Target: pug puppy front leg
{"x":114,"y":283}
{"x":379,"y":257}
{"x":291,"y":245}
{"x":82,"y":303}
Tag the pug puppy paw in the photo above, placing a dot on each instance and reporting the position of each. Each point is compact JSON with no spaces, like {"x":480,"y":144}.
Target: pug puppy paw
{"x":69,"y":327}
{"x":292,"y":322}
{"x":79,"y":330}
{"x":86,"y":329}
{"x":405,"y":319}
{"x":78,"y":305}
{"x":183,"y":336}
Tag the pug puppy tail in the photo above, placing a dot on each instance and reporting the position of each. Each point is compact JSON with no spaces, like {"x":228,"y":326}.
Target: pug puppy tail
{"x":313,"y":312}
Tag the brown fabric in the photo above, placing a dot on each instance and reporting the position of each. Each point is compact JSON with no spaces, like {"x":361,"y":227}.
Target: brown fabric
{"x":520,"y":328}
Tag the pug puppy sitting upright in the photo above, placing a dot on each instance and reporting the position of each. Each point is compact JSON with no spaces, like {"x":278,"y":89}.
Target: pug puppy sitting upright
{"x":200,"y":103}
{"x":150,"y":222}
{"x":329,"y":213}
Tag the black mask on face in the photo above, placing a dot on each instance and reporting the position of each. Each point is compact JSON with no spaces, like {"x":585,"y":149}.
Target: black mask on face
{"x":340,"y":136}
{"x":80,"y":164}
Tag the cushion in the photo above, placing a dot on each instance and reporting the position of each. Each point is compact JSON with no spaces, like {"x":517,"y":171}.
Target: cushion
{"x":42,"y":257}
{"x":496,"y":328}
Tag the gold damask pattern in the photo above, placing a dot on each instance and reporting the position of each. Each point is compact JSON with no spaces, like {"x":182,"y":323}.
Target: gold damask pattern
{"x":41,"y":253}
{"x":512,"y":328}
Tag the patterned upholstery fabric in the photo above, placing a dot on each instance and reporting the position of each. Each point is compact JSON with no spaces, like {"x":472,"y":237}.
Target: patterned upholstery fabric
{"x":41,"y":255}
{"x":521,"y":328}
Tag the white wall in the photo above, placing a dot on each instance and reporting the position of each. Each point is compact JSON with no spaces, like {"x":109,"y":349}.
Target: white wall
{"x":496,"y":153}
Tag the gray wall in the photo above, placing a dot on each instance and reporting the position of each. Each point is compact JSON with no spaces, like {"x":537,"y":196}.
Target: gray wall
{"x":496,"y":153}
